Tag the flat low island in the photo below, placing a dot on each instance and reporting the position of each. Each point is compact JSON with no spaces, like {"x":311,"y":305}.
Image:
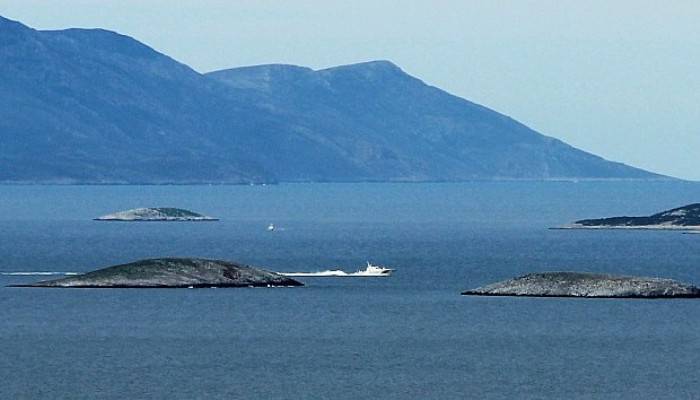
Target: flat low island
{"x":155,"y":214}
{"x":682,"y":218}
{"x":172,"y":273}
{"x":584,"y":284}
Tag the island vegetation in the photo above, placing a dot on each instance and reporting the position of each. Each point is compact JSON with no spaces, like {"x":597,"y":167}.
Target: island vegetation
{"x":584,"y":284}
{"x":156,"y":214}
{"x":683,"y":218}
{"x":172,"y":273}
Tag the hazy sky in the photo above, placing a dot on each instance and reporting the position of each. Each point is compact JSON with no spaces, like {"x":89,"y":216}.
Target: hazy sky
{"x":618,"y":78}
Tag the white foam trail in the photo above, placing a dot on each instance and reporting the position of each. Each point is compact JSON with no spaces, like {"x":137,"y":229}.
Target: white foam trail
{"x":369,"y":271}
{"x":40,"y":273}
{"x":330,"y":272}
{"x":335,"y":273}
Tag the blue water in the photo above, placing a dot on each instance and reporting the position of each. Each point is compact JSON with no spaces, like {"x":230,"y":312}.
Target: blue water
{"x":408,"y":336}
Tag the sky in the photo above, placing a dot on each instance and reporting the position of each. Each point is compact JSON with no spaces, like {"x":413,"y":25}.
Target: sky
{"x":620,"y":79}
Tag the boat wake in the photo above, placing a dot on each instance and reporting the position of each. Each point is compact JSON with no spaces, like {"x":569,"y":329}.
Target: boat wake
{"x":37,"y":273}
{"x":329,"y":272}
{"x":369,"y":271}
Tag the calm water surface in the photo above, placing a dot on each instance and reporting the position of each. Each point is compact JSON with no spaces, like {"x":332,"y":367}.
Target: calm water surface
{"x":408,"y":336}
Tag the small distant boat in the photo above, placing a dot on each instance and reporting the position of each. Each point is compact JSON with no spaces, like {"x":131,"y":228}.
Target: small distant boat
{"x":271,"y":228}
{"x":370,"y":271}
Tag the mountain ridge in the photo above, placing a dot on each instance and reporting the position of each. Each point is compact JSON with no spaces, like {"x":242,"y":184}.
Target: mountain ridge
{"x":324,"y":79}
{"x":95,"y":106}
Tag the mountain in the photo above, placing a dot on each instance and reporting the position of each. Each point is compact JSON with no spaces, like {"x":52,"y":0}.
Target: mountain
{"x":396,"y":127}
{"x":94,"y":106}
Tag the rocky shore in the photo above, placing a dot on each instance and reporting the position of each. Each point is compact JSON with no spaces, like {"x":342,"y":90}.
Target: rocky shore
{"x":583,"y":284}
{"x":681,"y":218}
{"x":172,"y":273}
{"x":155,"y":214}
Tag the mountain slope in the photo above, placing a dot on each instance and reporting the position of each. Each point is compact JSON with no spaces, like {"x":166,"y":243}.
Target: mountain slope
{"x":415,"y":131}
{"x":94,"y":106}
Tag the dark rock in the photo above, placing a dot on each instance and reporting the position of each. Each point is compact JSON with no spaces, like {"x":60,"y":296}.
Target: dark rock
{"x":582,"y":284}
{"x":172,"y":273}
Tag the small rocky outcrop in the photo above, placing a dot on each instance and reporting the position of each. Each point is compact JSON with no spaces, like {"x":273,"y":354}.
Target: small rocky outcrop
{"x":685,"y":218}
{"x":172,"y":273}
{"x":155,"y":214}
{"x":583,"y":284}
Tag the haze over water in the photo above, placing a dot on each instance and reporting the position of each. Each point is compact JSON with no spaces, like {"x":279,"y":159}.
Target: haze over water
{"x":408,"y":336}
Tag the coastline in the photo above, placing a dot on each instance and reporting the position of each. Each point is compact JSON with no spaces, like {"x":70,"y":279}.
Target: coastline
{"x":690,"y":228}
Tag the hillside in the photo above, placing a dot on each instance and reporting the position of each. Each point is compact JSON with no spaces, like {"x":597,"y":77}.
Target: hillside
{"x":393,"y":126}
{"x":94,"y":106}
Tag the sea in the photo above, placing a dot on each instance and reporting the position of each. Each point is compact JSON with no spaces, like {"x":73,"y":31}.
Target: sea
{"x":408,"y":336}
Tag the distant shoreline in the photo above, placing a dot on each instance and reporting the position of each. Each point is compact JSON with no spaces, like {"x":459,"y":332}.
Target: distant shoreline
{"x":495,"y":180}
{"x":690,"y":228}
